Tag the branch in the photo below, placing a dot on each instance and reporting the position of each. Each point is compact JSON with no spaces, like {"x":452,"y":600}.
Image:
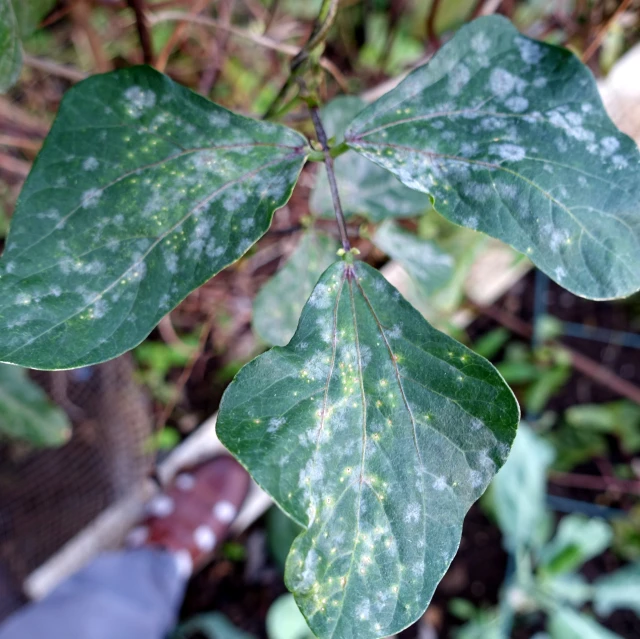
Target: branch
{"x":333,"y":186}
{"x":143,"y":33}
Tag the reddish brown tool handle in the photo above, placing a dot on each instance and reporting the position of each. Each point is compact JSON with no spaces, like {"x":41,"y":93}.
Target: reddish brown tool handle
{"x":194,"y":513}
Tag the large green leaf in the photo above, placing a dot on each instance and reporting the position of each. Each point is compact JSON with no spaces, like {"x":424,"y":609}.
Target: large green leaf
{"x":277,"y":307}
{"x":620,"y":589}
{"x":566,"y":623}
{"x":429,"y":266}
{"x":142,"y":192}
{"x":10,"y":46}
{"x":26,"y":413}
{"x":365,"y":189}
{"x":376,"y":433}
{"x":519,"y":492}
{"x":18,"y":19}
{"x":577,"y":540}
{"x":510,"y":138}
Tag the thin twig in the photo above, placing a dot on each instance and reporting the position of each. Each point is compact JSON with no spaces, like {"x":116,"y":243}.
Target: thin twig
{"x":273,"y":10}
{"x":261,"y":40}
{"x":217,"y":51}
{"x":592,"y":48}
{"x":186,"y":372}
{"x":137,"y":7}
{"x":177,"y":36}
{"x":484,"y":8}
{"x":434,"y":40}
{"x":593,"y":482}
{"x":18,"y":142}
{"x":598,"y":373}
{"x":321,"y":27}
{"x":81,"y":15}
{"x":59,"y":70}
{"x":333,"y":186}
{"x":9,"y":164}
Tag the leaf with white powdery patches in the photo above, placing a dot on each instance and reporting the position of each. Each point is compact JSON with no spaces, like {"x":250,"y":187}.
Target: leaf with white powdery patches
{"x":142,"y":192}
{"x":376,"y":433}
{"x":510,"y":137}
{"x":365,"y":189}
{"x":277,"y":307}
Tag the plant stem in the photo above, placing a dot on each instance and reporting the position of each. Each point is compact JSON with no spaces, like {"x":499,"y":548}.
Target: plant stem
{"x":143,"y":33}
{"x":333,"y":186}
{"x":321,"y":27}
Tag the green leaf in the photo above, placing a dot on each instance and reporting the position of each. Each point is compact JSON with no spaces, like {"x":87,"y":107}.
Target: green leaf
{"x":429,"y":266}
{"x":571,"y":588}
{"x":277,"y":307}
{"x":566,"y":623}
{"x":18,"y":19}
{"x":365,"y":189}
{"x":284,"y":620}
{"x":10,"y":46}
{"x":519,"y":492}
{"x":510,"y":137}
{"x":26,"y":413}
{"x":577,"y":540}
{"x":281,"y":531}
{"x":142,"y":192}
{"x":620,"y":589}
{"x":212,"y":625}
{"x":376,"y":433}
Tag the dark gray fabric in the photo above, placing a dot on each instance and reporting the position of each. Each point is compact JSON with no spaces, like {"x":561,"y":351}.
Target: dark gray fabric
{"x":121,"y":595}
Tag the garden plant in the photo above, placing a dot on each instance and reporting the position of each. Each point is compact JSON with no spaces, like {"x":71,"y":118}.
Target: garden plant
{"x":371,"y":429}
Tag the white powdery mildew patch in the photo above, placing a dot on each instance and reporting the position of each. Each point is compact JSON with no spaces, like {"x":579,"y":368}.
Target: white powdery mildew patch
{"x":571,"y":123}
{"x":275,"y":423}
{"x":516,"y":103}
{"x":471,"y":223}
{"x":412,"y":514}
{"x":363,"y":610}
{"x":555,"y":237}
{"x":475,"y":478}
{"x":458,"y":78}
{"x":171,"y":262}
{"x":349,"y":354}
{"x":478,"y":192}
{"x":440,"y":483}
{"x":308,"y":572}
{"x":530,"y":52}
{"x":325,"y":326}
{"x":90,"y":198}
{"x":137,"y":100}
{"x":99,"y":309}
{"x":620,"y":162}
{"x":510,"y":152}
{"x":609,"y":146}
{"x":317,"y":366}
{"x":467,"y":149}
{"x":234,"y":199}
{"x":492,"y":124}
{"x":560,"y":273}
{"x":90,"y":164}
{"x":502,"y":83}
{"x":480,"y":43}
{"x":321,"y":297}
{"x":219,"y":119}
